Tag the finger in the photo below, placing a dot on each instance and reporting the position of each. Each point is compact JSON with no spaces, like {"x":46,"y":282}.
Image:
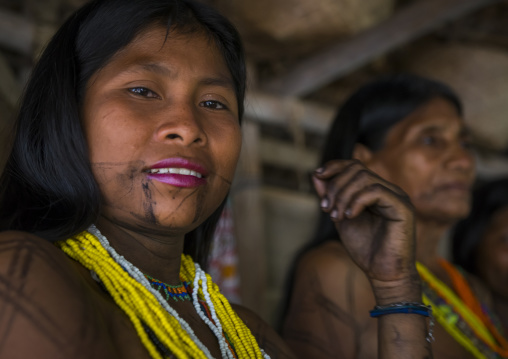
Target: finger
{"x":342,"y":174}
{"x":332,"y":168}
{"x":355,"y":180}
{"x":382,"y":200}
{"x":320,"y":187}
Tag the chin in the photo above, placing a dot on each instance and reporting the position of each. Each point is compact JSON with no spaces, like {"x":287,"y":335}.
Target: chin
{"x":446,"y":214}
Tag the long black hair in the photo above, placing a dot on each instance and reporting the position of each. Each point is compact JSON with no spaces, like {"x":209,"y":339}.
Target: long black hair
{"x":47,"y":187}
{"x":488,"y":198}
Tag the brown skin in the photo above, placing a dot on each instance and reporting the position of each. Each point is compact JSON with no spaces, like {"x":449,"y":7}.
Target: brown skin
{"x":162,"y":98}
{"x":492,"y":262}
{"x":427,"y":155}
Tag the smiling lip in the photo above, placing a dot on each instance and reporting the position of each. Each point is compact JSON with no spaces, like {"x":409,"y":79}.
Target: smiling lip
{"x":178,"y":172}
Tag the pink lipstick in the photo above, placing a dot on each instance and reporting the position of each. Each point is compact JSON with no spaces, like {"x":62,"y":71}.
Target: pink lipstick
{"x":178,"y":172}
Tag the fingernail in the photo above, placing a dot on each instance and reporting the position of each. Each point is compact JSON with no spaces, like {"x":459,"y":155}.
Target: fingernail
{"x":324,"y":203}
{"x":348,"y":212}
{"x":319,"y":170}
{"x":334,"y":214}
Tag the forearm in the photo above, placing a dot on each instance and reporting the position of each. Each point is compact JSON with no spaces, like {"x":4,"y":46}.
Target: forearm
{"x":404,"y":335}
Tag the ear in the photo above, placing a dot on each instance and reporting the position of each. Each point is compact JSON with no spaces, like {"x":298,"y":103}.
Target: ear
{"x":363,"y":154}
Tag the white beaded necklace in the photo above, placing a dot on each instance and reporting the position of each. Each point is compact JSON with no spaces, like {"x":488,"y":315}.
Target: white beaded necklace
{"x":200,"y":274}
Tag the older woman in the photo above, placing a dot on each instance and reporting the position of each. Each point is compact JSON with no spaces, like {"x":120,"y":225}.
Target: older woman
{"x":409,"y":131}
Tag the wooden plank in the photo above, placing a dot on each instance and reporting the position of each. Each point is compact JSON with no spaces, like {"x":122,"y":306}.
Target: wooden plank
{"x":406,"y":25}
{"x":290,"y":219}
{"x":249,"y":224}
{"x":287,"y":155}
{"x":16,"y":32}
{"x":285,"y":111}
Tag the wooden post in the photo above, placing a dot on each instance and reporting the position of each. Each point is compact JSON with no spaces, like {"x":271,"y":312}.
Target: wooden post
{"x":249,"y":223}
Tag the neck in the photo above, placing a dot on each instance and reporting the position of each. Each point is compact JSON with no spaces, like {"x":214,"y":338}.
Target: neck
{"x":428,"y":237}
{"x":156,"y":255}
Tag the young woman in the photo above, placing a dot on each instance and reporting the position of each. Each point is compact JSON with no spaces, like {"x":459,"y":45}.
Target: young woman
{"x":480,"y":242}
{"x":408,"y":130}
{"x":126,"y":144}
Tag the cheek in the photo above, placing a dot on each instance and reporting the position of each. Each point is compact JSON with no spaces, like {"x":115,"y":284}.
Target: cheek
{"x":116,"y":179}
{"x":228,"y":151}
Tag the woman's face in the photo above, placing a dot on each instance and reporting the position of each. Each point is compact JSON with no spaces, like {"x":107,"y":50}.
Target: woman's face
{"x":428,"y":155}
{"x":161,"y":121}
{"x":492,"y":257}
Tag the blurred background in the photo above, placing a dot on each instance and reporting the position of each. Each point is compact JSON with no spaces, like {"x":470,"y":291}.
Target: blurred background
{"x":304,"y":58}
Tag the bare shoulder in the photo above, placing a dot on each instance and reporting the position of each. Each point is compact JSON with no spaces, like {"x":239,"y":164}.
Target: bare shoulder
{"x":330,"y":265}
{"x":28,"y":260}
{"x":328,"y":312}
{"x":16,"y":245}
{"x":43,"y":300}
{"x":265,"y":335}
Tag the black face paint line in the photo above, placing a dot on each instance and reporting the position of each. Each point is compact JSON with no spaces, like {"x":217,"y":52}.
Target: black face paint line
{"x":148,"y":204}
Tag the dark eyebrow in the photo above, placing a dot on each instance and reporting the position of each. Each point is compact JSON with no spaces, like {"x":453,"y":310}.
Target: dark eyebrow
{"x":464,"y":130}
{"x":155,"y":68}
{"x":221,"y":81}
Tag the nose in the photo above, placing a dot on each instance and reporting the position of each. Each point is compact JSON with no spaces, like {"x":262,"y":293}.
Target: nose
{"x":181,"y":124}
{"x":461,"y":158}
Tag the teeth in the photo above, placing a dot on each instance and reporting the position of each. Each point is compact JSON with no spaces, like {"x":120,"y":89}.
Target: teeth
{"x":180,"y":171}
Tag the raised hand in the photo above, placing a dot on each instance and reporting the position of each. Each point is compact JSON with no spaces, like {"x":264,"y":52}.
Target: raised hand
{"x":374,"y":219}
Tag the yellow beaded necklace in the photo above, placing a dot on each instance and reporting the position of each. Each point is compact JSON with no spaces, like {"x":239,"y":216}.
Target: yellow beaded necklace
{"x":448,"y":314}
{"x":144,"y":309}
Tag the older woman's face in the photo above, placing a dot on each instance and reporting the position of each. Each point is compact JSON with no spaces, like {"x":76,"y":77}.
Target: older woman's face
{"x":428,"y":155}
{"x":492,"y":259}
{"x":161,"y":121}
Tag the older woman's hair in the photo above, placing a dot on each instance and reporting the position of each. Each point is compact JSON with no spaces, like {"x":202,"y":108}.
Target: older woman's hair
{"x":47,"y":187}
{"x":488,"y":198}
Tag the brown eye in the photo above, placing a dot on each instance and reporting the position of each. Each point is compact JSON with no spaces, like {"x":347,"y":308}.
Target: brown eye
{"x":144,"y":92}
{"x":215,"y":105}
{"x":429,"y":140}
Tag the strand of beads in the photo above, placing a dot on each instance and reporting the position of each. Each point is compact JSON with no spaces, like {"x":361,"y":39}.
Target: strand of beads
{"x":233,"y":326}
{"x":136,"y":300}
{"x":215,"y":326}
{"x":238,"y":333}
{"x":135,"y":273}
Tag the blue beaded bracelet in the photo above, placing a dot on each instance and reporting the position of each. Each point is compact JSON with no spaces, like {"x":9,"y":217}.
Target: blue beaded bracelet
{"x":401,"y":308}
{"x":406,"y":308}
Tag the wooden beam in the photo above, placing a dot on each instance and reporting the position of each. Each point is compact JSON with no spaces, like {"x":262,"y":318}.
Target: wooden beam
{"x":282,"y":111}
{"x":249,"y":222}
{"x":407,"y":24}
{"x":16,"y":32}
{"x":284,"y":155}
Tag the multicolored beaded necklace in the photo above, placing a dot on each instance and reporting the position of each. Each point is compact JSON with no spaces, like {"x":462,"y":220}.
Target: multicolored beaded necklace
{"x":176,"y":292}
{"x":163,"y":332}
{"x":459,"y":319}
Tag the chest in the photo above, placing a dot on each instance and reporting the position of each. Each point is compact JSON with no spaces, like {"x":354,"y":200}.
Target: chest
{"x":125,"y":342}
